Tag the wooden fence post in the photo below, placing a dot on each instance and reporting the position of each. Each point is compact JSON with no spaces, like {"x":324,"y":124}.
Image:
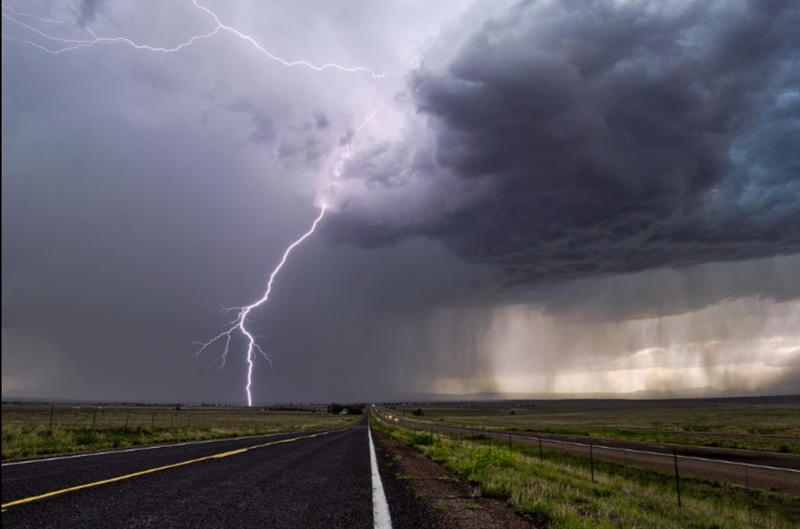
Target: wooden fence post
{"x":677,"y":477}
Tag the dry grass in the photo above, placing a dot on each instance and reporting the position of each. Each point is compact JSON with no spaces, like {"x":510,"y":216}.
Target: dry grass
{"x":28,"y":430}
{"x":752,"y":425}
{"x":560,"y":491}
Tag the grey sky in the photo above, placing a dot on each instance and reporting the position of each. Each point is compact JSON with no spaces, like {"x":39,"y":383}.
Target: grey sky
{"x":542,"y":185}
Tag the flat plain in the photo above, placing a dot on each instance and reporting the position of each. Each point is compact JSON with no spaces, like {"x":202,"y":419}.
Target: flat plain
{"x":31,"y":430}
{"x":753,"y":423}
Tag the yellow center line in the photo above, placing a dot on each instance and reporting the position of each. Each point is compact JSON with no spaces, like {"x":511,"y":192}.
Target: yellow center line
{"x":156,"y":469}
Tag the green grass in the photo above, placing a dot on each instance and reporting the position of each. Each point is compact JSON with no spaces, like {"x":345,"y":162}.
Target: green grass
{"x":558,"y":492}
{"x":27,"y":431}
{"x":730,"y":424}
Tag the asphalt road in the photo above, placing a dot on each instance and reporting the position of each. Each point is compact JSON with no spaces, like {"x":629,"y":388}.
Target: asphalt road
{"x":283,"y":481}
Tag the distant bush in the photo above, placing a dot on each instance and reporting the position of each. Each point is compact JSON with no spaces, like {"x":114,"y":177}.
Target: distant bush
{"x":421,"y":439}
{"x":350,"y":409}
{"x":335,"y":409}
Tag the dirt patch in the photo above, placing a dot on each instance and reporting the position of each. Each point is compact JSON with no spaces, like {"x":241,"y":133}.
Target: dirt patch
{"x":452,"y":502}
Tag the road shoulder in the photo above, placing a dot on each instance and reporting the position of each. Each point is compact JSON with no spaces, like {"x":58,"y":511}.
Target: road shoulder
{"x":423,"y":494}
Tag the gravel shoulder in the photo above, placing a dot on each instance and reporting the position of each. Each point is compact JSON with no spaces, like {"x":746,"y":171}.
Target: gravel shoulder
{"x":422,"y":494}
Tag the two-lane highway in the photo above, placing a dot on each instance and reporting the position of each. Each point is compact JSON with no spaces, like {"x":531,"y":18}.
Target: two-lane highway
{"x":283,"y":481}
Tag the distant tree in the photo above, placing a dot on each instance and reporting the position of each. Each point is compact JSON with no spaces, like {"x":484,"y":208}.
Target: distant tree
{"x":335,"y":409}
{"x":418,"y":412}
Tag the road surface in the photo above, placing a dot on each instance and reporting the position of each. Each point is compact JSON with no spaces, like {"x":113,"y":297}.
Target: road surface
{"x":282,"y":481}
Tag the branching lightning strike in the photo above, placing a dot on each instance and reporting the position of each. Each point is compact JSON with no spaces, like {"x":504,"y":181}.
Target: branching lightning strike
{"x":241,"y":318}
{"x":238,"y":324}
{"x":56,"y":45}
{"x":59,"y":45}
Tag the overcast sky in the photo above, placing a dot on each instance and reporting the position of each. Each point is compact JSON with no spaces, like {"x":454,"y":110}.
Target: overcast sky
{"x":535,"y":198}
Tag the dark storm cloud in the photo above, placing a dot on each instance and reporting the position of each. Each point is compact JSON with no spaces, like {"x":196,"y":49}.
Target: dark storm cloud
{"x":607,"y":137}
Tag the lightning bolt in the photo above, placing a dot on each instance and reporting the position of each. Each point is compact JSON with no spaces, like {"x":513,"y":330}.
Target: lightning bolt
{"x":56,"y":45}
{"x":347,"y":150}
{"x":59,"y":45}
{"x":238,"y":324}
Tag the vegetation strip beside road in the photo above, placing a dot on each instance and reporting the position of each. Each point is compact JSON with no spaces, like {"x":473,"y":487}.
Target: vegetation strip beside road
{"x":766,"y":423}
{"x":35,"y":431}
{"x":619,"y":450}
{"x":559,"y":492}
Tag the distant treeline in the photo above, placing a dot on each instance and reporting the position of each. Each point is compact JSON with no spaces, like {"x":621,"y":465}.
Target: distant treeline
{"x":346,"y":409}
{"x":289,"y":407}
{"x":311,"y":408}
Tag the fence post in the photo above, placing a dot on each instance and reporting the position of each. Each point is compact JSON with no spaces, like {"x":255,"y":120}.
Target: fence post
{"x":94,"y":418}
{"x":153,"y":421}
{"x":541,"y":457}
{"x":52,"y":411}
{"x":749,"y":495}
{"x":510,"y":450}
{"x":127,"y":416}
{"x":591,"y":459}
{"x":677,"y":477}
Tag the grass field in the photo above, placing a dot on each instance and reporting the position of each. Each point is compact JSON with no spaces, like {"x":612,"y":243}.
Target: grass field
{"x":771,"y":424}
{"x":558,"y":492}
{"x":35,"y":430}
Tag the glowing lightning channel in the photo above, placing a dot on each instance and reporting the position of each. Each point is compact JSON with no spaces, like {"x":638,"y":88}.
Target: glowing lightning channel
{"x":56,"y":45}
{"x":239,"y":322}
{"x":61,"y":45}
{"x":241,"y":319}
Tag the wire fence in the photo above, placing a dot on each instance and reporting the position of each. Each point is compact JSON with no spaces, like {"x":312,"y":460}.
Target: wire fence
{"x":149,"y":417}
{"x":783,"y":477}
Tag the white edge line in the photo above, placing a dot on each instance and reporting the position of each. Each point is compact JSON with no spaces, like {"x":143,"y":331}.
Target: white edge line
{"x":142,"y":448}
{"x":380,"y":509}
